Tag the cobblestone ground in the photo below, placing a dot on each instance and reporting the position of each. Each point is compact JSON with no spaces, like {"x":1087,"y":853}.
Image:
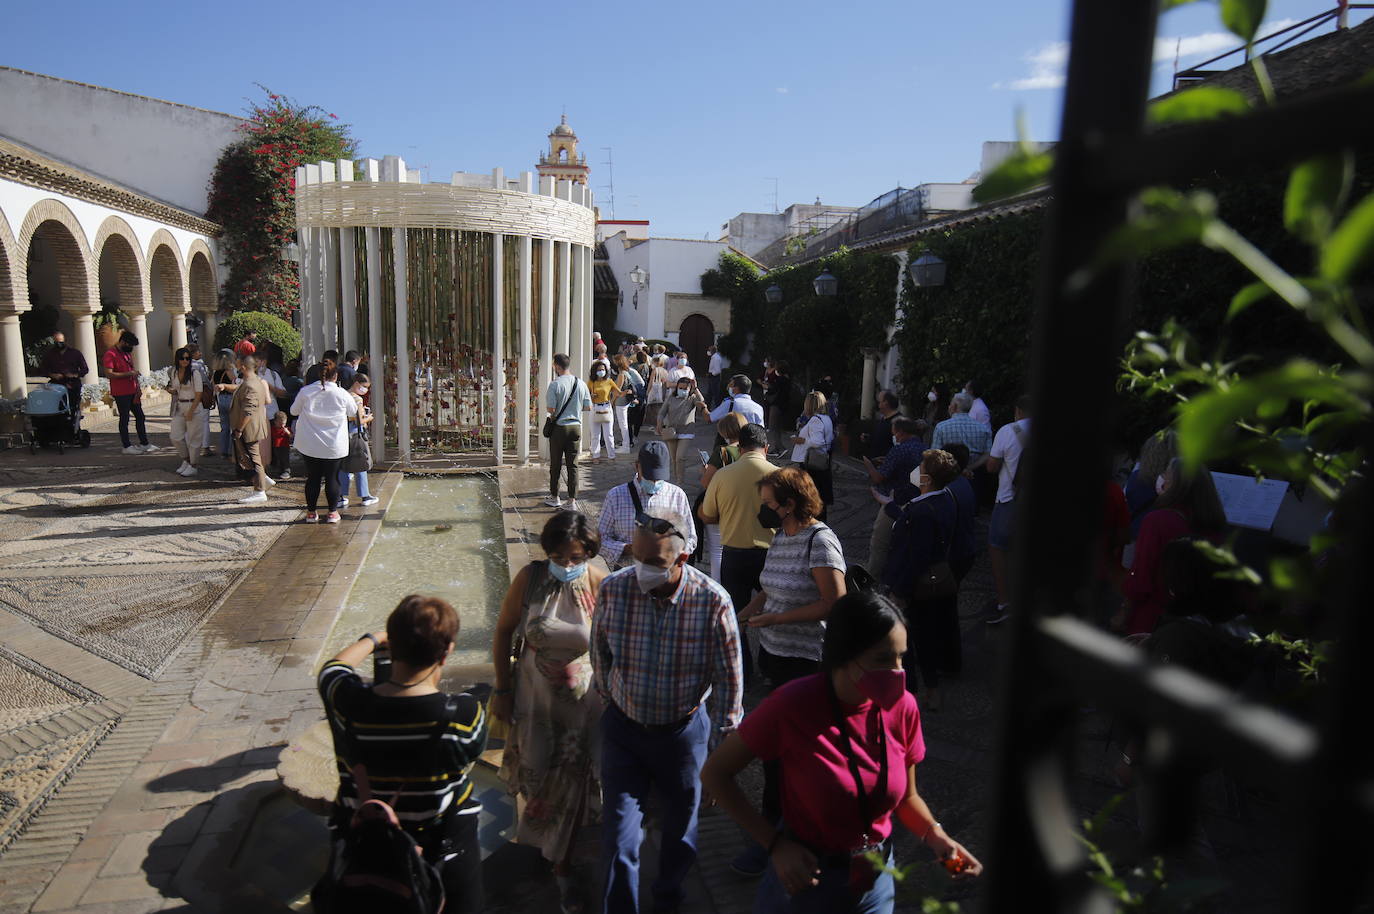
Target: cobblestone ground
{"x":159,"y":643}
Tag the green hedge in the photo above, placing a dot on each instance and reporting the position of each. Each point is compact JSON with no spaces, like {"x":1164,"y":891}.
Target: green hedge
{"x":979,"y":324}
{"x":269,"y":328}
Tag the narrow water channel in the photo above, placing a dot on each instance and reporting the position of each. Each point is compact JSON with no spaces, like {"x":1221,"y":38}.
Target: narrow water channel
{"x":441,"y":536}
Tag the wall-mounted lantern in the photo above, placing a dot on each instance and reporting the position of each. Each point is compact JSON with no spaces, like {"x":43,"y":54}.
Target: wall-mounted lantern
{"x":926,"y":270}
{"x":773,"y":294}
{"x":826,"y":284}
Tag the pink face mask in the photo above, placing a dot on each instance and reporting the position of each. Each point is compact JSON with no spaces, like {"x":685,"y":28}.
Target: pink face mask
{"x":886,"y":687}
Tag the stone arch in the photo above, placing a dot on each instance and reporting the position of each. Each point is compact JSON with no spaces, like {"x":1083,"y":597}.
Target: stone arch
{"x":61,"y":232}
{"x":167,"y":273}
{"x":202,"y":280}
{"x":119,"y":266}
{"x":14,"y":287}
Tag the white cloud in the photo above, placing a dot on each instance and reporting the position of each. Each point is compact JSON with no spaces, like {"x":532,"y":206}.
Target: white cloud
{"x":1047,"y":63}
{"x":782,"y":90}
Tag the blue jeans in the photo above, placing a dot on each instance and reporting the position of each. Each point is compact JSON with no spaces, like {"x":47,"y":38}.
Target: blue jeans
{"x":360,"y":478}
{"x":226,"y":446}
{"x":832,"y":896}
{"x":634,"y":760}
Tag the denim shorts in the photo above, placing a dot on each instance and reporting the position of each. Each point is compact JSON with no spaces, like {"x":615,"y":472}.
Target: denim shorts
{"x":999,"y":529}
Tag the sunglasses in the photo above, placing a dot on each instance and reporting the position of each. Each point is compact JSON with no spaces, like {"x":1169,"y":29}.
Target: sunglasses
{"x":657,"y":525}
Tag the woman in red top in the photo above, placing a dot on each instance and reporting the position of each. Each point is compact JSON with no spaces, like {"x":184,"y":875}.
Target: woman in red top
{"x":849,"y":739}
{"x":1187,"y":506}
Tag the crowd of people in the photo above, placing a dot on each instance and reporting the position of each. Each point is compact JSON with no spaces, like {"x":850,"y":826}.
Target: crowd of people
{"x":621,"y":684}
{"x":267,"y":411}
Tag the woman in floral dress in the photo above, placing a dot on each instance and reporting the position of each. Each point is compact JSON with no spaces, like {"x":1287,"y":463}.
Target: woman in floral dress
{"x":546,"y":694}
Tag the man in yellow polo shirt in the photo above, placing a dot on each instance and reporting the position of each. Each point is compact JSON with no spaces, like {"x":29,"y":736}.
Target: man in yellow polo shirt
{"x":732,"y":500}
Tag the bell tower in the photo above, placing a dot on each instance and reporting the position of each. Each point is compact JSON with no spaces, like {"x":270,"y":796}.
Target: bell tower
{"x":562,"y":161}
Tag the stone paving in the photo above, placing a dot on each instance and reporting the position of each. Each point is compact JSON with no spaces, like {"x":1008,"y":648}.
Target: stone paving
{"x":145,"y":779}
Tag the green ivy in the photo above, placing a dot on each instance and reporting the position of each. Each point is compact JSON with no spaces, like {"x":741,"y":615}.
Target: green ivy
{"x":269,"y":328}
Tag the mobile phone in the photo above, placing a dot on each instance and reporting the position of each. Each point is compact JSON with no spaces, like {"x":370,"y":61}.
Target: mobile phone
{"x":705,"y":457}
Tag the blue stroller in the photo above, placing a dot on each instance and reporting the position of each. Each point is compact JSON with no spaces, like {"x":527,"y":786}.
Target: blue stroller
{"x":52,"y":421}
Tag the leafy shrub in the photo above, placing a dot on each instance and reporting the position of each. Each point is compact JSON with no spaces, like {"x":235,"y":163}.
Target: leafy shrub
{"x":269,"y":328}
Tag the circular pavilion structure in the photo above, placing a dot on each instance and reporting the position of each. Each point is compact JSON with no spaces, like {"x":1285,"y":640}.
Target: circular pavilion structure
{"x":461,"y":293}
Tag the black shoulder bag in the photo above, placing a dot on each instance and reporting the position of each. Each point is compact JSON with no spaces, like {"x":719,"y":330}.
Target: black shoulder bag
{"x":550,"y":421}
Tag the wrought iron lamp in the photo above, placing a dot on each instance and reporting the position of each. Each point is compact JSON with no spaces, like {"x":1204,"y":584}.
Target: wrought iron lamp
{"x":826,"y":284}
{"x":773,"y":294}
{"x":926,"y":270}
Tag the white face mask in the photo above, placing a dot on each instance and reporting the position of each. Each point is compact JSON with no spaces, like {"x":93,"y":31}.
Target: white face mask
{"x":1160,"y":484}
{"x":651,"y":577}
{"x":931,"y":397}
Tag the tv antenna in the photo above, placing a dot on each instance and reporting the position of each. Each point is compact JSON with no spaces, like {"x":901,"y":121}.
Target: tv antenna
{"x":610,"y":181}
{"x":775,"y":192}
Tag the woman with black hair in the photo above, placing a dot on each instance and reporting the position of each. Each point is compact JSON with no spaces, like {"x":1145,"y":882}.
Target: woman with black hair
{"x":849,"y":739}
{"x":546,"y":694}
{"x":188,"y":425}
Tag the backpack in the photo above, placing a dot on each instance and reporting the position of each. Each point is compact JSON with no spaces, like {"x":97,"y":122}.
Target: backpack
{"x":378,"y":867}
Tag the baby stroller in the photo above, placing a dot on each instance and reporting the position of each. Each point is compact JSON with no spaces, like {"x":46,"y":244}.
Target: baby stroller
{"x":51,"y":420}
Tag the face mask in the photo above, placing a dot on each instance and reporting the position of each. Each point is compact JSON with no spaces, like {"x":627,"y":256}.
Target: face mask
{"x":651,"y":577}
{"x":126,"y":349}
{"x":682,"y":391}
{"x":61,"y":344}
{"x":931,"y":397}
{"x":650,"y":486}
{"x":567,"y":573}
{"x":600,"y":374}
{"x":884,"y":687}
{"x":916,"y":477}
{"x":895,"y":442}
{"x":1159,"y":484}
{"x":769,"y":517}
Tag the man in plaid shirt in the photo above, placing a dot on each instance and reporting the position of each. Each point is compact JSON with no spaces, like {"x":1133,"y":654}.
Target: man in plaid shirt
{"x":620,"y":509}
{"x":664,"y":644}
{"x":965,"y":429}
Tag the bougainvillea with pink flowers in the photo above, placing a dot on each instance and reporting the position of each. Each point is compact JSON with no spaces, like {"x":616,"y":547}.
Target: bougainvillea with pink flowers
{"x":251,"y":197}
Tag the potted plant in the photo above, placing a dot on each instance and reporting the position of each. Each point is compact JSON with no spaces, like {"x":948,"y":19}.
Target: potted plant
{"x":106,"y":323}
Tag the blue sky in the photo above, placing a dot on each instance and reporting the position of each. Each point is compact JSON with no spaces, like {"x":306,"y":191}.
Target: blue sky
{"x":703,"y":103}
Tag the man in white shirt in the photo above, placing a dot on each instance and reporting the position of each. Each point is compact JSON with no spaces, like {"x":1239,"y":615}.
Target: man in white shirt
{"x":739,"y":401}
{"x":979,"y":412}
{"x":1005,"y":460}
{"x":714,"y":366}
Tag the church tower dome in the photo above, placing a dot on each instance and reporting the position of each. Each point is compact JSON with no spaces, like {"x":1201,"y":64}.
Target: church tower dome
{"x":562,"y":161}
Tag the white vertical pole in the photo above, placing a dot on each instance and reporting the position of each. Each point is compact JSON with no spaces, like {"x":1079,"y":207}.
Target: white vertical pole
{"x":311,"y":254}
{"x":577,"y":348}
{"x":374,"y":341}
{"x":524,"y":351}
{"x":330,"y":287}
{"x":403,"y":374}
{"x":588,"y":295}
{"x":303,"y":275}
{"x":546,"y":320}
{"x":348,"y":273}
{"x":498,"y":348}
{"x":563,"y":339}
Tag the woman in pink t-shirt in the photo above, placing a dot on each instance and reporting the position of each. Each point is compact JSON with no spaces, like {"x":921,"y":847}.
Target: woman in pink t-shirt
{"x":849,"y":739}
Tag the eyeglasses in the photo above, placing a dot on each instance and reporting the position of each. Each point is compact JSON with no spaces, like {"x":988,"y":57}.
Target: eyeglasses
{"x":183,"y":358}
{"x":657,"y":526}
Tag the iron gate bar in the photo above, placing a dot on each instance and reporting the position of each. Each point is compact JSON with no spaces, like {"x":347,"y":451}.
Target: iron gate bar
{"x":1054,"y":662}
{"x":1325,"y":122}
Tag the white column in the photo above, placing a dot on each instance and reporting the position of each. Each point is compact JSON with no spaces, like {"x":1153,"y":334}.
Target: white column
{"x":498,"y":349}
{"x":525,"y":351}
{"x":138,"y":326}
{"x":13,"y":381}
{"x":329,"y":287}
{"x":178,"y":330}
{"x":869,"y":392}
{"x":580,"y":332}
{"x":374,"y":341}
{"x":562,"y":338}
{"x":588,"y":296}
{"x":892,"y":360}
{"x":348,"y":290}
{"x":311,"y":332}
{"x":209,"y":324}
{"x":546,"y":320}
{"x":404,"y":381}
{"x":84,"y":331}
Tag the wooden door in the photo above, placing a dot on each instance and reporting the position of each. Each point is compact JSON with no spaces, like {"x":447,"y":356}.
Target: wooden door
{"x":697,"y":332}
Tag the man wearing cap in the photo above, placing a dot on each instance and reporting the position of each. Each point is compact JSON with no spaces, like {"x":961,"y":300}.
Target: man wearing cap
{"x":649,"y":489}
{"x":732,"y":500}
{"x":666,"y":660}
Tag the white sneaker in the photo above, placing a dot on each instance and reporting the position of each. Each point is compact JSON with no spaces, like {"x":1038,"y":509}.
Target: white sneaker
{"x":189,"y":471}
{"x":256,"y":498}
{"x":553,"y":501}
{"x":343,"y":503}
{"x":133,"y":449}
{"x":370,"y":501}
{"x":270,"y":481}
{"x":571,"y":505}
{"x":149,"y":448}
{"x":182,"y":469}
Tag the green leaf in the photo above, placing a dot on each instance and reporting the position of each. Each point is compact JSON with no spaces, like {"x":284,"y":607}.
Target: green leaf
{"x":1168,"y":219}
{"x":1203,"y":103}
{"x":1315,"y":188}
{"x":1249,"y":295}
{"x":1170,"y":4}
{"x":1243,"y":17}
{"x":1351,"y":244}
{"x":1018,"y":174}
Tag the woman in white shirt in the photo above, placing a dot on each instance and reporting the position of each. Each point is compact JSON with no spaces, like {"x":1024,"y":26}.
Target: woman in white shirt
{"x":188,"y":426}
{"x":322,"y":412}
{"x":816,"y":432}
